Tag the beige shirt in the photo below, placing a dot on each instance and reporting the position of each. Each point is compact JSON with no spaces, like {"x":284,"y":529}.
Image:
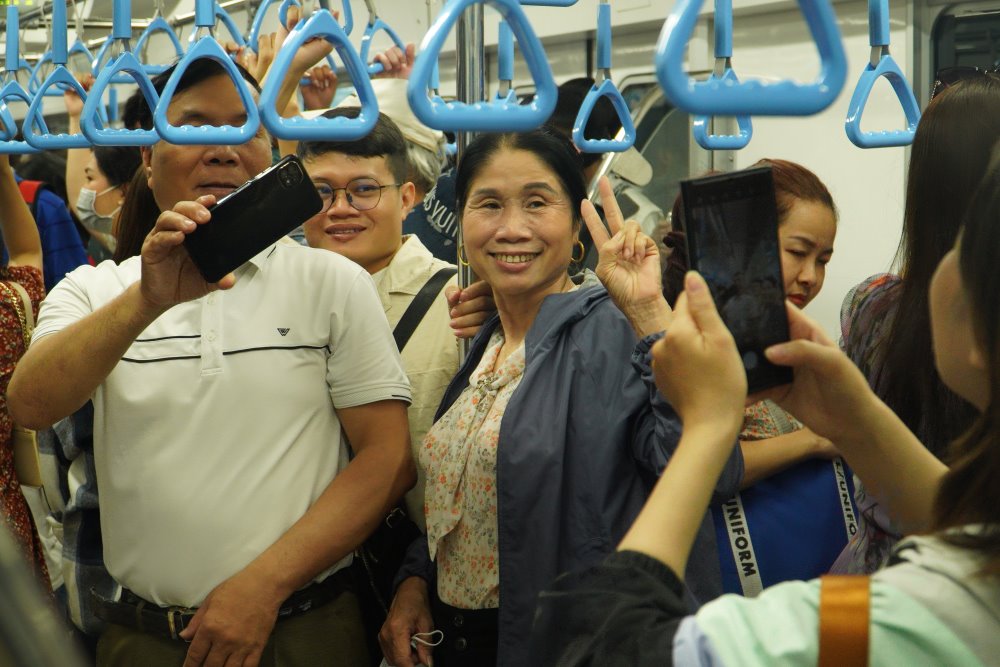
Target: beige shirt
{"x":432,"y":355}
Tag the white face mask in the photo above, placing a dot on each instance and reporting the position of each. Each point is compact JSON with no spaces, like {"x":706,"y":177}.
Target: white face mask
{"x":90,"y":218}
{"x":95,"y":223}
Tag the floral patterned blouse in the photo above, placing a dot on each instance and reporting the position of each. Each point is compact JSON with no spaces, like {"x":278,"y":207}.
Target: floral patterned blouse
{"x":15,"y":509}
{"x":865,"y":321}
{"x":459,"y":455}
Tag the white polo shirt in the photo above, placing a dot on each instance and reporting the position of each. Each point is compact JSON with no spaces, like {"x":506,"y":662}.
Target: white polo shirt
{"x":217,"y":430}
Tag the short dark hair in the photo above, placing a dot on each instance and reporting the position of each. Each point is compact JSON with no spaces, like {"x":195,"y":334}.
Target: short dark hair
{"x":385,"y":140}
{"x":552,"y":148}
{"x":117,"y":163}
{"x":137,"y":113}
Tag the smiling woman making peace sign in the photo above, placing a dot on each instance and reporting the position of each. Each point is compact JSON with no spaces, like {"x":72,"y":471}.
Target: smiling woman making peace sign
{"x":549,"y":439}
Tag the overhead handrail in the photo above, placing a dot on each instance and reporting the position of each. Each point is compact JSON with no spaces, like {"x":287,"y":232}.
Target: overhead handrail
{"x":12,"y":90}
{"x":881,"y":64}
{"x":723,"y":72}
{"x":320,"y":24}
{"x":59,"y":79}
{"x":158,"y":24}
{"x":375,"y":23}
{"x":206,"y":47}
{"x":505,"y":63}
{"x":492,"y":116}
{"x":606,"y":88}
{"x":716,"y":97}
{"x":127,"y":63}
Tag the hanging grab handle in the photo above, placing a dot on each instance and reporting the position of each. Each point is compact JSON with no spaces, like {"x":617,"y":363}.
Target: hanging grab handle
{"x":320,"y":24}
{"x":496,"y":116}
{"x":723,"y":73}
{"x":723,"y":98}
{"x":253,"y":39}
{"x":206,"y":47}
{"x":92,"y":106}
{"x":159,"y":24}
{"x":12,"y":90}
{"x":881,"y":64}
{"x":366,"y":43}
{"x":605,"y":88}
{"x":230,"y":25}
{"x":58,"y":80}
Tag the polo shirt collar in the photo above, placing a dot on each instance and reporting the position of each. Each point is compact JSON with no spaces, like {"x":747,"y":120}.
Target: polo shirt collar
{"x":260,"y":259}
{"x":407,"y":273}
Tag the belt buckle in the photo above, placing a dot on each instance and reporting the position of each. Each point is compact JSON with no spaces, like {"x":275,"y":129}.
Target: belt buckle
{"x":173,"y":614}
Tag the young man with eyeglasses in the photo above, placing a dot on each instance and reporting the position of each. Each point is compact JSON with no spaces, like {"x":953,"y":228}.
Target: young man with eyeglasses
{"x":365,"y":198}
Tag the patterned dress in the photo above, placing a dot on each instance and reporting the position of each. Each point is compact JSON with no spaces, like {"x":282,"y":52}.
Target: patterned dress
{"x":865,"y":321}
{"x":15,"y":508}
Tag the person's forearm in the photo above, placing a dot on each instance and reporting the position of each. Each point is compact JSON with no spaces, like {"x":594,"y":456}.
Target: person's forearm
{"x":289,"y":146}
{"x":650,"y":317}
{"x":76,"y":161}
{"x":60,"y":372}
{"x":20,"y":233}
{"x":666,"y":527}
{"x":342,"y":517}
{"x":763,"y":458}
{"x":894,"y":466}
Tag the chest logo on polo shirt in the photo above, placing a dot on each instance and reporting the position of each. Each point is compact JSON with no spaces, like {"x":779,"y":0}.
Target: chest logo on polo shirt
{"x":283,"y":332}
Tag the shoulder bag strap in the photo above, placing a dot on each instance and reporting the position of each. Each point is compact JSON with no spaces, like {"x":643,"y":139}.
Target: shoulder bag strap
{"x":420,"y":305}
{"x":844,"y":617}
{"x":24,"y":312}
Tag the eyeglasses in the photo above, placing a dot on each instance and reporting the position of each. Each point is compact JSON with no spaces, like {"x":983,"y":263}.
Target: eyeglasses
{"x":949,"y":76}
{"x":363,"y":194}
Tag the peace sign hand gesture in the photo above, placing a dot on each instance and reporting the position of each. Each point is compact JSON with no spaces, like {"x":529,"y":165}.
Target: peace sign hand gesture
{"x":628,"y":264}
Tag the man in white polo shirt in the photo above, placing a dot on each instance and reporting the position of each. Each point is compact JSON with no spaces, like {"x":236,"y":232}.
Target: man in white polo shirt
{"x":227,"y":491}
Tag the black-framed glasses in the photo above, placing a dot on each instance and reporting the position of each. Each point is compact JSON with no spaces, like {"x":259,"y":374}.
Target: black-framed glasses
{"x":949,"y":76}
{"x":363,"y":194}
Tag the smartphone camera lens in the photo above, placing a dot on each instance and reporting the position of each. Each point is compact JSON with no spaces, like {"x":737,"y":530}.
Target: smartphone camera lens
{"x":290,"y":175}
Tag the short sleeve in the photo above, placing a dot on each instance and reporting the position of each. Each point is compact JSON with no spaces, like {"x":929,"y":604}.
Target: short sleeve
{"x":364,"y":365}
{"x":67,"y":303}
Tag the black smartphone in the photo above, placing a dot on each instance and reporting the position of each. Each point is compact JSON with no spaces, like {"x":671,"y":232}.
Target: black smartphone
{"x":252,"y":217}
{"x":731,"y":226}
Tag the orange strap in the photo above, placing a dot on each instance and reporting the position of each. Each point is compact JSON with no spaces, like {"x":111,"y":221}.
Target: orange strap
{"x":844,"y":606}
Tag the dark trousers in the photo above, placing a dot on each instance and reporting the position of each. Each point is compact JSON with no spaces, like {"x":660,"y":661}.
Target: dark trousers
{"x":331,"y":634}
{"x":470,"y":635}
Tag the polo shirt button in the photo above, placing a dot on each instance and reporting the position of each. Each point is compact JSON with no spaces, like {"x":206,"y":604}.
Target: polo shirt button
{"x":211,"y":299}
{"x":461,"y":644}
{"x":210,"y":336}
{"x":457,"y":621}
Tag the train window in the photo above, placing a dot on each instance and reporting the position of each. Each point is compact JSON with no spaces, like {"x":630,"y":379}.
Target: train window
{"x":966,"y":39}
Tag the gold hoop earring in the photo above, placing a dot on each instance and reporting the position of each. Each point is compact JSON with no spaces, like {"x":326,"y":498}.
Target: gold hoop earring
{"x":583,"y":253}
{"x":464,"y":261}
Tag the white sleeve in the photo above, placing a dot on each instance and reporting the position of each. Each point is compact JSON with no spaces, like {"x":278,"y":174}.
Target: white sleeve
{"x":68,"y":302}
{"x":364,"y":364}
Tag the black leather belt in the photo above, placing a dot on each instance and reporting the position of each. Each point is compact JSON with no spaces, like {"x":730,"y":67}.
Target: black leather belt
{"x":136,"y":613}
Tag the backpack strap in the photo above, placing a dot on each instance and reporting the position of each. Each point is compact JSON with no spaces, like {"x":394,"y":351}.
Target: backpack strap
{"x":29,"y":192}
{"x":844,"y":617}
{"x":420,"y":305}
